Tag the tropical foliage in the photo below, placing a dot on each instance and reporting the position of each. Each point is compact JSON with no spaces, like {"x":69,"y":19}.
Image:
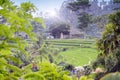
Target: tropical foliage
{"x":15,"y":61}
{"x":109,"y":45}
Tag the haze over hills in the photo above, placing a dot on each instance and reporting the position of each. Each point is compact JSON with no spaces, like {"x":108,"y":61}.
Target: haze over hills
{"x":96,"y":9}
{"x":66,"y":15}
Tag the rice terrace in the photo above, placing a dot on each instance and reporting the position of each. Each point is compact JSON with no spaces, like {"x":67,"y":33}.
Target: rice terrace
{"x":76,"y":51}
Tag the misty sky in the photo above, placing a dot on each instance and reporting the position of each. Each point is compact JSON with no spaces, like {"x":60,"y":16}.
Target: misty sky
{"x":44,"y":5}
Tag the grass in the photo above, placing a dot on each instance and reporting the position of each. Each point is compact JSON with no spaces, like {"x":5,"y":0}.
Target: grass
{"x":79,"y":56}
{"x":79,"y":51}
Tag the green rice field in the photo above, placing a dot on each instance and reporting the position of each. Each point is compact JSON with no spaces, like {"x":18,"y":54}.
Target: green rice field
{"x":75,"y":51}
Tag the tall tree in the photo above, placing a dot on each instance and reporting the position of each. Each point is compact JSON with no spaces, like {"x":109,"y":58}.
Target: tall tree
{"x":79,"y":4}
{"x":84,"y":19}
{"x":80,"y":7}
{"x":109,"y":46}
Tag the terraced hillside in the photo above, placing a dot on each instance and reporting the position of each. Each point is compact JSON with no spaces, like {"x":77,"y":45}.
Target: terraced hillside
{"x":75,"y":51}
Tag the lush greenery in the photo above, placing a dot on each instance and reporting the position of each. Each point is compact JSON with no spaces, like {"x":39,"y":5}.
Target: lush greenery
{"x":29,"y":57}
{"x":109,"y":45}
{"x":16,"y":60}
{"x":75,"y":50}
{"x":80,"y":56}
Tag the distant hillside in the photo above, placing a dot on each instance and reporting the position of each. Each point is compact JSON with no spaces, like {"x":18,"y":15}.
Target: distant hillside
{"x":97,"y":10}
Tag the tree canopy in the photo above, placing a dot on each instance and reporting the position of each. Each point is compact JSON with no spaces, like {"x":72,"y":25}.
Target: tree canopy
{"x":78,"y":4}
{"x":84,"y":19}
{"x":116,"y":1}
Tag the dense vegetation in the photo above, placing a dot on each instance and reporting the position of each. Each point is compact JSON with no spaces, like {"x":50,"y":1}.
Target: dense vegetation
{"x":74,"y":50}
{"x":108,"y":45}
{"x":15,"y":61}
{"x":25,"y":56}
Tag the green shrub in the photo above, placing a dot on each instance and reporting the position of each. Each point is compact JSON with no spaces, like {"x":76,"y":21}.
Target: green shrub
{"x":111,"y":76}
{"x":83,"y":78}
{"x":10,"y":78}
{"x":53,"y":72}
{"x":35,"y":76}
{"x":1,"y":77}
